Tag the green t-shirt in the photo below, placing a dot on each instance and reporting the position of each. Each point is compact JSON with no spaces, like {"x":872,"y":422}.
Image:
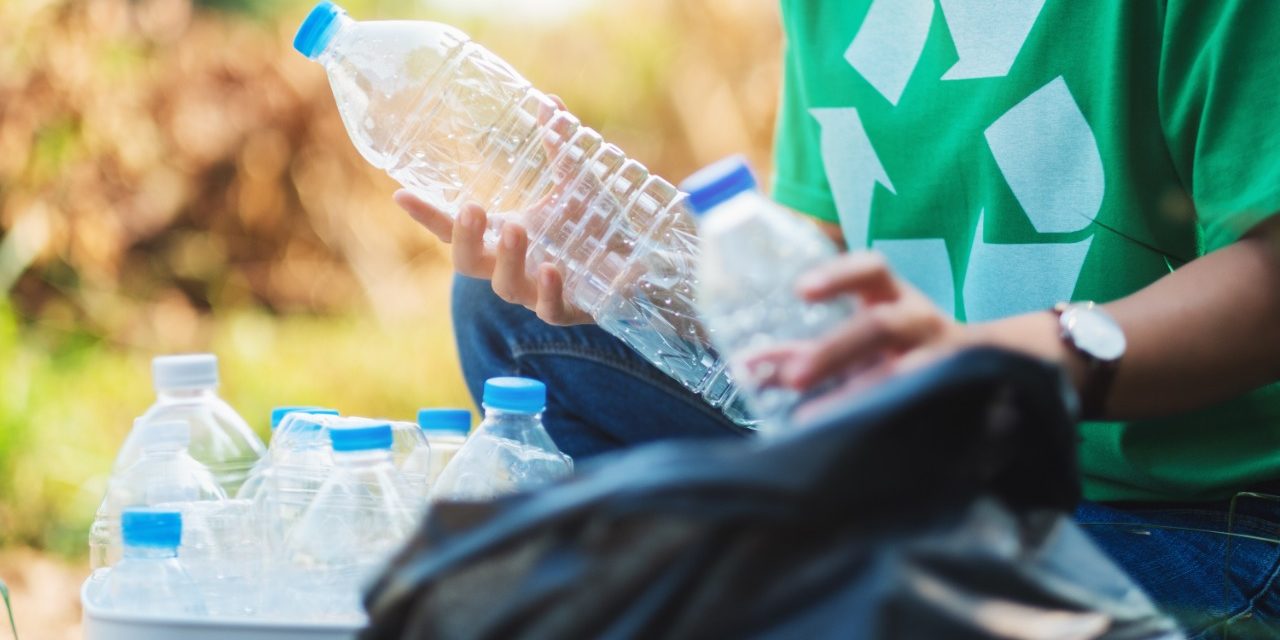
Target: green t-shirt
{"x":1007,"y":155}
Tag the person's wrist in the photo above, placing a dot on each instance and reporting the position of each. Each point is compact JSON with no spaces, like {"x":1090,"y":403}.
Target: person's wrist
{"x":1035,"y":334}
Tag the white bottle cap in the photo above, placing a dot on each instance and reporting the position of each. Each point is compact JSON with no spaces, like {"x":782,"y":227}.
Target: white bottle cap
{"x":187,"y":371}
{"x":160,"y":433}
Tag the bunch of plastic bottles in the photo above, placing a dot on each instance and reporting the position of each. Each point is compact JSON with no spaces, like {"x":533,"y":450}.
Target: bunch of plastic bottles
{"x":200,"y":519}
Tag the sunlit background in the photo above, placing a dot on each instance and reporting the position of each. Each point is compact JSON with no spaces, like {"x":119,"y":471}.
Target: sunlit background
{"x":174,"y":177}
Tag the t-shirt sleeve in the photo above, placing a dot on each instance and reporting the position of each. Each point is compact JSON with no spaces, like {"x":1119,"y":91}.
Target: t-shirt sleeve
{"x":799,"y":179}
{"x":1220,"y":109}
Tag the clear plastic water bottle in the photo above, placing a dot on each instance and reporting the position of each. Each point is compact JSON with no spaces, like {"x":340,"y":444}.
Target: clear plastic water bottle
{"x":163,"y":474}
{"x":510,"y":451}
{"x":453,"y":123}
{"x":256,"y":482}
{"x":150,"y":579}
{"x":753,"y":251}
{"x":225,"y":553}
{"x":187,"y":389}
{"x":358,"y":519}
{"x":278,"y":414}
{"x":301,"y":460}
{"x":446,"y":430}
{"x":411,"y":452}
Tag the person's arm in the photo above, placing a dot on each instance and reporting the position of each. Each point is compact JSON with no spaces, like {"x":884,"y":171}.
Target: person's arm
{"x":1202,"y":334}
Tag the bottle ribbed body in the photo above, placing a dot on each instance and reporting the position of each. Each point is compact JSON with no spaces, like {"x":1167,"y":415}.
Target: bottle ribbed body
{"x":456,"y":124}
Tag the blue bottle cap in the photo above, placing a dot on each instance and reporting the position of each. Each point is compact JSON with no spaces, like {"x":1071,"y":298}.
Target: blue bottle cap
{"x":151,"y":528}
{"x":445,"y":420}
{"x":364,"y":437}
{"x":318,"y":29}
{"x":278,"y":413}
{"x":518,"y":395}
{"x":717,"y":182}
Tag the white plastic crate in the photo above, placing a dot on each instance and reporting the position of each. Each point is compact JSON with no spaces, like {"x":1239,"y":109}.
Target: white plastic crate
{"x":100,"y":624}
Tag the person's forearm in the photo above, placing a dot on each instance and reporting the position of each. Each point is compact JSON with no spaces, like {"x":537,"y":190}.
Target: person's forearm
{"x":1203,"y":334}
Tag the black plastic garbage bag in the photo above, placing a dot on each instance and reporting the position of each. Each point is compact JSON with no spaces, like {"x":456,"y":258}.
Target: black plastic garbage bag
{"x":933,"y":506}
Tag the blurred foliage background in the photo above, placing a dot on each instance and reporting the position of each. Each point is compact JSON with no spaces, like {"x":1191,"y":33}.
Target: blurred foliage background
{"x":174,"y":177}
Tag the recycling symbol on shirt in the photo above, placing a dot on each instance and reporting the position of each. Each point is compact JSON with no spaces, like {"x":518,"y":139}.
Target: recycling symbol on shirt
{"x":1043,"y":146}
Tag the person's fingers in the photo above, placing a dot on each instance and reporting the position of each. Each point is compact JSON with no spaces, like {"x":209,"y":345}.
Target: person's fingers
{"x":812,"y":408}
{"x":556,"y":99}
{"x":469,"y":255}
{"x":509,"y":280}
{"x":871,"y":332}
{"x":863,"y":273}
{"x":551,"y":306}
{"x":761,"y":368}
{"x":435,"y":220}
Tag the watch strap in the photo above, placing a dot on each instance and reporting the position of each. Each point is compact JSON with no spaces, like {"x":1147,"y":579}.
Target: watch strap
{"x":1099,"y":375}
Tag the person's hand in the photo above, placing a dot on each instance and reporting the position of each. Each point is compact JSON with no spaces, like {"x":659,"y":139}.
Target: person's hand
{"x":504,"y":266}
{"x":540,"y":289}
{"x":894,"y":327}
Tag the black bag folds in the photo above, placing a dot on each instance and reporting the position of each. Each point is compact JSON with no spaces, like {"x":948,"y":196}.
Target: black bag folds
{"x":933,"y":506}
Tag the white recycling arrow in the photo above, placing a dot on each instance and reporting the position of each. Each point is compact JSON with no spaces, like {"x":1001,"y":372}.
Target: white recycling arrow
{"x":1008,"y":279}
{"x":853,"y":170}
{"x":1050,"y":159}
{"x":924,"y":263}
{"x":988,"y":34}
{"x":889,"y":43}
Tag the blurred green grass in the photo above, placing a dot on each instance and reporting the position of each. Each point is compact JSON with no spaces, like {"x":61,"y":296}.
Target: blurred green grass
{"x":67,"y":401}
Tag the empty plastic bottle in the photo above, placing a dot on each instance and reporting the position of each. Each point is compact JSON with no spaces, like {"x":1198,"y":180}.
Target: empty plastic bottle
{"x":225,"y":553}
{"x":301,"y":460}
{"x":278,"y":413}
{"x":446,"y":430}
{"x":163,"y":474}
{"x":753,"y":251}
{"x":510,"y":451}
{"x":357,"y":520}
{"x":452,"y":122}
{"x":256,"y":481}
{"x":411,"y":452}
{"x":187,"y":388}
{"x":151,"y":579}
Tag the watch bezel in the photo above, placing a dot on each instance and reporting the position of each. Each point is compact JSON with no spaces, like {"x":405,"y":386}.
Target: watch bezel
{"x":1074,"y":317}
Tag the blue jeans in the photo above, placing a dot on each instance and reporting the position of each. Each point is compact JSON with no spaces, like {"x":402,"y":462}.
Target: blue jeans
{"x":601,"y":396}
{"x":1216,"y":585}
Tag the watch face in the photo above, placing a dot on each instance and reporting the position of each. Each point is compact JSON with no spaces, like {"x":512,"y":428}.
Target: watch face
{"x":1094,"y":332}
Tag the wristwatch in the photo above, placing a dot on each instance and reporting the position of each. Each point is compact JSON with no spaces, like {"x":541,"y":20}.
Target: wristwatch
{"x":1093,"y":334}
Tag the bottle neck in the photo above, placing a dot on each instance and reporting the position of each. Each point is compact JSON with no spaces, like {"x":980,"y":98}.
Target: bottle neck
{"x":162,"y":451}
{"x":512,"y":424}
{"x":343,"y":23}
{"x":361,"y":459}
{"x":149,"y":552}
{"x":187,"y":395}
